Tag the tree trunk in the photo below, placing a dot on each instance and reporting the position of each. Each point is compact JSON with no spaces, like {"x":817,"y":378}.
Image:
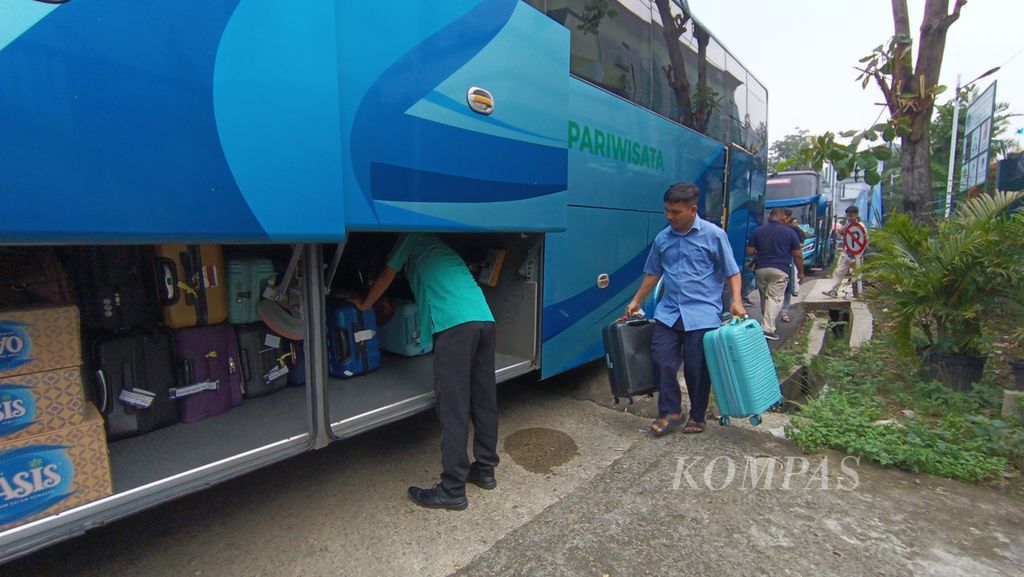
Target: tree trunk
{"x":915,"y":158}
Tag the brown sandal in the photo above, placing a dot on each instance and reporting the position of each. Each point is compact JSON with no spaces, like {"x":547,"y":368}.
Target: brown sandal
{"x":693,"y":427}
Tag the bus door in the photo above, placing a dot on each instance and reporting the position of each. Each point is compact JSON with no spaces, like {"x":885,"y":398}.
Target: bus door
{"x":743,"y":204}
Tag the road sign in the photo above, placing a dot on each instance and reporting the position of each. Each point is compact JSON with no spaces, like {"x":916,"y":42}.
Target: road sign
{"x":855,"y":238}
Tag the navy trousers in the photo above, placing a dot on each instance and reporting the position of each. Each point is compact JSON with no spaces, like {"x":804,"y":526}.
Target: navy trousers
{"x":670,"y":347}
{"x":466,"y":392}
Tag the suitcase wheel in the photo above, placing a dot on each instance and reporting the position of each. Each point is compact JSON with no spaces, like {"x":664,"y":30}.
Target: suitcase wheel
{"x":616,"y":400}
{"x":755,"y":420}
{"x":724,"y":421}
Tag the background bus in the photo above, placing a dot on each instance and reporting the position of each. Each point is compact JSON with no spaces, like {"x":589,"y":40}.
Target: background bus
{"x":809,"y":196}
{"x":310,"y":137}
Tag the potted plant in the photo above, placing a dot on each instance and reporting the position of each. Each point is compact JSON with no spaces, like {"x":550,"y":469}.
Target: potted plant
{"x":942,"y":286}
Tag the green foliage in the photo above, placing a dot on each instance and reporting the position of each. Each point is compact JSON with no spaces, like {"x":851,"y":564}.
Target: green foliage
{"x":944,"y":283}
{"x":787,"y":148}
{"x":850,"y":158}
{"x":953,"y":434}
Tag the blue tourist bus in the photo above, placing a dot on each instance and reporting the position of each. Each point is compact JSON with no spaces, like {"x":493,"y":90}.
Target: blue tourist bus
{"x":802,"y":192}
{"x":314,"y":133}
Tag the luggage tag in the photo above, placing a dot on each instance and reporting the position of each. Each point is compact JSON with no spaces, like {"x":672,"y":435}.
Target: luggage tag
{"x":274,"y":373}
{"x":138,"y":398}
{"x":194,"y":388}
{"x":364,"y":335}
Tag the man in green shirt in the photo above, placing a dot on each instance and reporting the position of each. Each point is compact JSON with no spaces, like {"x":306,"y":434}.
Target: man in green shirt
{"x":454,"y":313}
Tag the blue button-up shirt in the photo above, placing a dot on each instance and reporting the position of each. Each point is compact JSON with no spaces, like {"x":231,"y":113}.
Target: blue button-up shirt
{"x":693,"y":268}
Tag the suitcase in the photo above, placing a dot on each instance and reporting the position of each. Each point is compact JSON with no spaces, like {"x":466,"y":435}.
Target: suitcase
{"x":401,"y":334}
{"x":353,"y":346}
{"x":296,"y":365}
{"x":631,"y":368}
{"x":109,"y":283}
{"x":742,"y":371}
{"x":32,"y":276}
{"x":247,"y":279}
{"x":191,"y":287}
{"x":133,"y":378}
{"x":210,"y":381}
{"x":263,"y":357}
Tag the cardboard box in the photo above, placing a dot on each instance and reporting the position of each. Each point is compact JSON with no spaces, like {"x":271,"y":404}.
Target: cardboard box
{"x":33,"y":340}
{"x":53,"y":472}
{"x":40,"y":402}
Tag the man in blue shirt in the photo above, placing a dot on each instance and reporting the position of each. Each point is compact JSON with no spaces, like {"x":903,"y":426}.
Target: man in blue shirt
{"x":694,"y":260}
{"x":777,"y":247}
{"x":454,"y":313}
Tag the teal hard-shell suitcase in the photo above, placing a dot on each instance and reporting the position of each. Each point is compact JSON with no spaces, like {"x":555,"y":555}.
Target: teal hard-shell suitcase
{"x":742,"y":372}
{"x":401,"y":334}
{"x":247,"y":279}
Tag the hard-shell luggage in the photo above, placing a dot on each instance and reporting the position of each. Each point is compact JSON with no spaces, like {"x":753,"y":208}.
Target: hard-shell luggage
{"x":401,"y":334}
{"x":742,"y":372}
{"x":264,"y":360}
{"x":353,"y":346}
{"x":109,"y":282}
{"x":209,"y":374}
{"x":248,"y":278}
{"x":631,"y":368}
{"x":32,"y":276}
{"x":133,"y":379}
{"x":191,"y":287}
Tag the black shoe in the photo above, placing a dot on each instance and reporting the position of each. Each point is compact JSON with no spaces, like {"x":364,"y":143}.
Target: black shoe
{"x":481,"y":479}
{"x":436,"y":498}
{"x":771,"y":336}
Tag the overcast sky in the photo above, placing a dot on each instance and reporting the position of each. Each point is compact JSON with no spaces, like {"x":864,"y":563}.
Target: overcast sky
{"x":804,"y":52}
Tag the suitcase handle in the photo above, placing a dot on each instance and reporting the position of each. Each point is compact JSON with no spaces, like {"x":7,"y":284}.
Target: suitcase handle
{"x":185,"y":367}
{"x":167,"y":279}
{"x":246,"y":371}
{"x":341,"y":347}
{"x":101,"y":381}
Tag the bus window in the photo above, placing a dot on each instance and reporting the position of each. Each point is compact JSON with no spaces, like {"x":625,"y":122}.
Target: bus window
{"x":610,"y":48}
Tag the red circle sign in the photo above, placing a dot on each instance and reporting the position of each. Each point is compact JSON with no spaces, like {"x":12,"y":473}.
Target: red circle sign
{"x":855,"y":238}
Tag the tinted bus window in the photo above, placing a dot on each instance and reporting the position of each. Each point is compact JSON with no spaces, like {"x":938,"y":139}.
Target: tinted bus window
{"x":612,"y":49}
{"x":792,"y":186}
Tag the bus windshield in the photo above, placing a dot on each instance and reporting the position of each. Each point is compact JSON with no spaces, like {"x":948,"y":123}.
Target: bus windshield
{"x":792,"y":186}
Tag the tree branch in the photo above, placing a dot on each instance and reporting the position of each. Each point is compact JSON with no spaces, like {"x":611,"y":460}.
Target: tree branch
{"x":949,"y":20}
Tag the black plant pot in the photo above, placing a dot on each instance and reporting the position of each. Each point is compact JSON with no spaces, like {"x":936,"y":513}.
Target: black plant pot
{"x":957,"y":372}
{"x":1018,"y":373}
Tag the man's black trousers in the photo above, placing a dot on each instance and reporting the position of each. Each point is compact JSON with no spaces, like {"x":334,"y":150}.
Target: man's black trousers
{"x":465,"y":389}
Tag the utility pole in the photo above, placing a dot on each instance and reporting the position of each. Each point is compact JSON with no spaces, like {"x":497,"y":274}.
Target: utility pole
{"x":952,"y":148}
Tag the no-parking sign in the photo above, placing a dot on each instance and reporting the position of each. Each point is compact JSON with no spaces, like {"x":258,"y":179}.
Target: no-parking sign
{"x":855,"y":238}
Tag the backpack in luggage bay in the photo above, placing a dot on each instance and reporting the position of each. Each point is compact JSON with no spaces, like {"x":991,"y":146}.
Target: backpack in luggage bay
{"x":248,"y":278}
{"x":210,"y":380}
{"x":133,"y":378}
{"x":631,"y":368}
{"x":401,"y":334}
{"x":191,"y":287}
{"x":32,"y":276}
{"x":109,"y":282}
{"x":263,"y":357}
{"x":742,"y":371}
{"x":353,"y":346}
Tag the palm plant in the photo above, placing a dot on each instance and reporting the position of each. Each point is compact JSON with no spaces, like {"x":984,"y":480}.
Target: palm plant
{"x":945,"y":283}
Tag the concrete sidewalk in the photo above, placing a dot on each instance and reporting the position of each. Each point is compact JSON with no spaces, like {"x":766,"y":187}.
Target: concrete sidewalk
{"x":641,"y":516}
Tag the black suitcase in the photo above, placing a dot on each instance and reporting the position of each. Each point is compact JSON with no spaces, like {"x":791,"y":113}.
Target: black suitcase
{"x":134,"y":374}
{"x":109,"y":283}
{"x":264,"y":358}
{"x":631,"y":369}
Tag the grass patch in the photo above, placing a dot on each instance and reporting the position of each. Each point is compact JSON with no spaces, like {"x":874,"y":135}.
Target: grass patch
{"x":953,"y":434}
